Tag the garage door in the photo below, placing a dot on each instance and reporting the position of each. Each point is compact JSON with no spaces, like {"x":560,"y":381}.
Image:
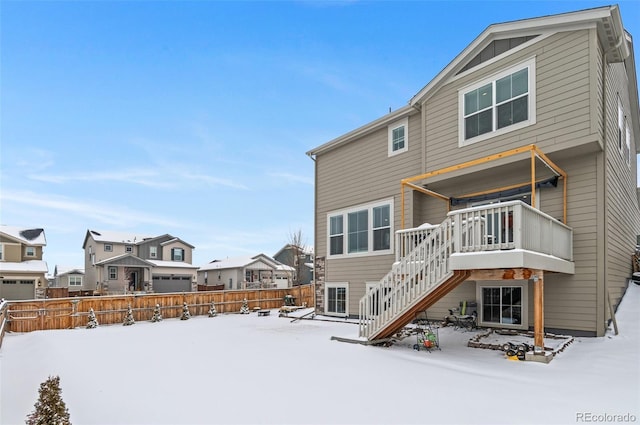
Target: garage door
{"x":17,"y":289}
{"x":163,"y":284}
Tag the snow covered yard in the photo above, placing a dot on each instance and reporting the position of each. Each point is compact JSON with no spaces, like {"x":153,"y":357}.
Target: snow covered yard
{"x":235,"y":368}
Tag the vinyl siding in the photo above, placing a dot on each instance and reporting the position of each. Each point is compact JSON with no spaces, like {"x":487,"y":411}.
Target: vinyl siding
{"x":352,"y":176}
{"x":563,"y":96}
{"x":622,"y":213}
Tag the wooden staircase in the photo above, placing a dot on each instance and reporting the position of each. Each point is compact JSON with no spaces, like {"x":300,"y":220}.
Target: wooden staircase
{"x":416,"y":282}
{"x":402,"y":320}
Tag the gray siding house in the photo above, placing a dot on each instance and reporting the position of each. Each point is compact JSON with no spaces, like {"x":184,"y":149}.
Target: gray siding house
{"x":22,"y":269}
{"x":69,"y":277}
{"x":508,"y":181}
{"x":119,"y":262}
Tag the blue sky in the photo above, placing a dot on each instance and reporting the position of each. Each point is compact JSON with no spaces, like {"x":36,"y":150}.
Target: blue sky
{"x":193,"y":118}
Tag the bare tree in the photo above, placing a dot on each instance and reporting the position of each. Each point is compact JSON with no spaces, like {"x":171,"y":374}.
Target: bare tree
{"x":297,"y":252}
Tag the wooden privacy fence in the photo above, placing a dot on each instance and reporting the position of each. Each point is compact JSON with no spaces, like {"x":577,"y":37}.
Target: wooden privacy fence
{"x":68,"y":313}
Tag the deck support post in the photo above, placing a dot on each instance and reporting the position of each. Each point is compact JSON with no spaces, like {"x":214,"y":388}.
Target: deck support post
{"x":538,"y":312}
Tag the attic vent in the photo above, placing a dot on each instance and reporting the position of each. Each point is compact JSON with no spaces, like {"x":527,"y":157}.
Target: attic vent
{"x":31,"y":234}
{"x":495,"y":48}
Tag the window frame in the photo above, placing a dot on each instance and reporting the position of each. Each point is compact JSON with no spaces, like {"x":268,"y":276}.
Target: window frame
{"x":336,"y":285}
{"x":524,"y":303}
{"x":114,"y":275}
{"x":108,"y":247}
{"x":153,"y":251}
{"x":128,"y":249}
{"x":75,"y":278}
{"x":29,"y":251}
{"x":182,"y":254}
{"x":1,"y":252}
{"x":530,"y":64}
{"x":344,"y":213}
{"x":390,"y":129}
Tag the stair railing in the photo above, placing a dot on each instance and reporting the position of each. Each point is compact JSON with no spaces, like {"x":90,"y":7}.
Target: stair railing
{"x":410,"y":279}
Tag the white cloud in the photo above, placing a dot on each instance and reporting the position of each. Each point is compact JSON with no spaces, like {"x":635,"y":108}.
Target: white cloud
{"x":293,"y":178}
{"x":94,"y":210}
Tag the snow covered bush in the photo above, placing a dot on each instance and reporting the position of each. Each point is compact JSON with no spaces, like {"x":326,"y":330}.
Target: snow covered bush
{"x":185,"y":312}
{"x":50,"y":408}
{"x":245,"y":307}
{"x":156,"y":314}
{"x":93,"y":321}
{"x":212,"y":310}
{"x":128,"y":318}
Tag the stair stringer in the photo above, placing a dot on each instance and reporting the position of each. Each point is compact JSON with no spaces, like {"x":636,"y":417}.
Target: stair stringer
{"x":427,"y":301}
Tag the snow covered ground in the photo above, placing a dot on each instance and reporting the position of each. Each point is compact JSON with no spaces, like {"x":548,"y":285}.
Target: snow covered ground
{"x":234,"y":369}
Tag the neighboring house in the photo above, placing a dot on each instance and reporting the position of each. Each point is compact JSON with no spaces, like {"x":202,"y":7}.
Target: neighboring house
{"x":258,"y":271}
{"x":461,"y":154}
{"x":300,"y":258}
{"x":117,"y":262}
{"x":71,"y":278}
{"x":22,"y":270}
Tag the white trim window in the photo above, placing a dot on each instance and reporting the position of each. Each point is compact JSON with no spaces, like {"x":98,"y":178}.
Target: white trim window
{"x":153,"y":251}
{"x":624,"y":135}
{"x":113,"y":273}
{"x":336,"y":297}
{"x":128,"y":249}
{"x":398,"y":137}
{"x":503,"y":305}
{"x":502,"y":103}
{"x":108,"y":247}
{"x":362,"y":230}
{"x":30,"y":251}
{"x":75,"y":280}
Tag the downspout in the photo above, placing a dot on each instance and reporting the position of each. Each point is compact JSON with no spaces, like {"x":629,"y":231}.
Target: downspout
{"x":315,"y":228}
{"x":605,"y":204}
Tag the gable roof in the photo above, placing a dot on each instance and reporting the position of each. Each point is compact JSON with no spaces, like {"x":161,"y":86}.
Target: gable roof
{"x":240,"y":262}
{"x":27,"y":236}
{"x":106,"y":236}
{"x":118,"y":259}
{"x":115,"y":237}
{"x":305,"y":249}
{"x":606,"y":19}
{"x":60,"y":270}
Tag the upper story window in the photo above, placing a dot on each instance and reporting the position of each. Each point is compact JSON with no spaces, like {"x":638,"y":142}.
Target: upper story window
{"x":497,"y":105}
{"x":398,"y":137}
{"x":624,"y":134}
{"x":361,"y":230}
{"x":108,"y":247}
{"x":177,"y":254}
{"x":153,"y":251}
{"x":30,"y":251}
{"x":128,"y":249}
{"x":75,"y":280}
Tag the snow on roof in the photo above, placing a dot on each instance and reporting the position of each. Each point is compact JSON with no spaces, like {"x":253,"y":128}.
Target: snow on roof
{"x":175,"y":264}
{"x":60,"y":270}
{"x":29,"y":236}
{"x":239,"y":262}
{"x":34,"y":266}
{"x":284,"y":267}
{"x":119,"y":237}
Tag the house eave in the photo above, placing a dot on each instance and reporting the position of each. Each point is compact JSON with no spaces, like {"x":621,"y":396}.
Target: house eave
{"x":382,"y":122}
{"x":602,"y":18}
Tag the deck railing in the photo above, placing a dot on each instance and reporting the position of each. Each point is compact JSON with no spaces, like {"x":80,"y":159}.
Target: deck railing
{"x":422,"y":254}
{"x":511,"y":225}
